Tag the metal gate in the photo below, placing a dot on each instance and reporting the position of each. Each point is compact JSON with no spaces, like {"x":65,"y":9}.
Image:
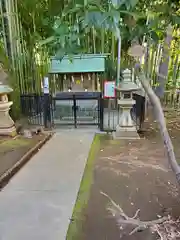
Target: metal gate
{"x":65,"y":109}
{"x":77,"y":109}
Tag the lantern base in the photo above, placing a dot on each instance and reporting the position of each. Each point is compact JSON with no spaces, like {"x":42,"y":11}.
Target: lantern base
{"x":11,"y":131}
{"x":7,"y":127}
{"x":126,"y":133}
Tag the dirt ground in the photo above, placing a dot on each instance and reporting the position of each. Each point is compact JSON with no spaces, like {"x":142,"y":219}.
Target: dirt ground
{"x":11,"y":150}
{"x":135,"y":175}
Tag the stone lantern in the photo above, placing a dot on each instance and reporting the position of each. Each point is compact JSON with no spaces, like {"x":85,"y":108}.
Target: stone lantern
{"x":126,"y":128}
{"x":7,"y":127}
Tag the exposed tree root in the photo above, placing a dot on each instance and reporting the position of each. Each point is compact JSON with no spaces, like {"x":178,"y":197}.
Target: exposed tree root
{"x":165,"y":227}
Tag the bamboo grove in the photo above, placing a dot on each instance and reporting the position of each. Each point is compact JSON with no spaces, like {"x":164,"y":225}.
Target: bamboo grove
{"x":33,"y":31}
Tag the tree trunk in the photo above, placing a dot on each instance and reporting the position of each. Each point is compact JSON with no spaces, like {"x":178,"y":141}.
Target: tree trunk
{"x":163,"y":67}
{"x":161,"y":120}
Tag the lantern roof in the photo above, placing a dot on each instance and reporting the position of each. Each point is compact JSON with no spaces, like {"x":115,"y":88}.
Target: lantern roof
{"x":127,"y":85}
{"x":4,"y":89}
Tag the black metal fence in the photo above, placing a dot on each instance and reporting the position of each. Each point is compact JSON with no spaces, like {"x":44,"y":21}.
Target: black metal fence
{"x":112,"y":112}
{"x":32,"y":107}
{"x":69,"y":109}
{"x":63,"y":109}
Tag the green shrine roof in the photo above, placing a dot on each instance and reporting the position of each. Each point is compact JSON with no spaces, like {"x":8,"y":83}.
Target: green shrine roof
{"x":81,"y":63}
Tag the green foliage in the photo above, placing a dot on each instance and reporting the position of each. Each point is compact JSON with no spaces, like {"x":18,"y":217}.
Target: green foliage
{"x":62,"y":25}
{"x":96,"y":15}
{"x":64,"y":40}
{"x":77,"y":18}
{"x":83,"y":26}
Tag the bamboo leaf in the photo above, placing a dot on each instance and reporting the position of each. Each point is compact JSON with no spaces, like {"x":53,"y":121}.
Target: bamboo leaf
{"x":47,"y":41}
{"x":175,"y":19}
{"x":118,"y":3}
{"x":135,"y":15}
{"x":133,"y":3}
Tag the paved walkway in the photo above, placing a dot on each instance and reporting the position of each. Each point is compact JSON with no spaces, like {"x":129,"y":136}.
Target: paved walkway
{"x":38,"y":202}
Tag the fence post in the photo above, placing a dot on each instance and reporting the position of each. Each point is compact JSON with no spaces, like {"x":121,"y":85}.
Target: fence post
{"x":75,"y":111}
{"x":101,"y":113}
{"x":47,"y":110}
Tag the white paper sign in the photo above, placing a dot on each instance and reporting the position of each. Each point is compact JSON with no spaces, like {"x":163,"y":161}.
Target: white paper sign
{"x":46,"y":85}
{"x":109,"y":89}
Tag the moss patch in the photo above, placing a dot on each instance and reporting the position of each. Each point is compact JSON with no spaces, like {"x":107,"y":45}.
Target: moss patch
{"x":11,"y":144}
{"x":84,"y":191}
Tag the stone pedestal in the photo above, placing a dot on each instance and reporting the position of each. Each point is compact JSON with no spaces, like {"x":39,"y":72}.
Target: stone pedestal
{"x":7,"y":127}
{"x":126,"y":128}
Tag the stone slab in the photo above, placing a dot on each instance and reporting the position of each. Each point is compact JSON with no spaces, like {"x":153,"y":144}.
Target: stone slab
{"x":126,"y":133}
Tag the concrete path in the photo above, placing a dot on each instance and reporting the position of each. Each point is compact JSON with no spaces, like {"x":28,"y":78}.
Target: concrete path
{"x":38,"y":202}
